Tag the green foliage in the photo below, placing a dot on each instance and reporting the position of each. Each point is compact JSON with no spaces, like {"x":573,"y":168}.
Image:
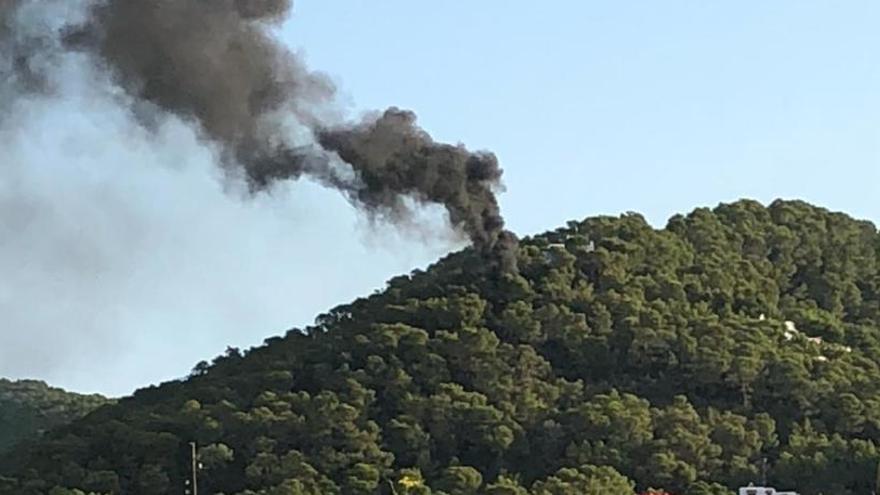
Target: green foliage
{"x":734,"y":343}
{"x":463,"y":480}
{"x":703,"y":488}
{"x":506,"y":486}
{"x":28,"y":408}
{"x":585,"y":480}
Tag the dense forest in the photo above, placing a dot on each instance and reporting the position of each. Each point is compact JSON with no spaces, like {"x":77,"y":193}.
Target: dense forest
{"x":28,"y":408}
{"x":736,"y":343}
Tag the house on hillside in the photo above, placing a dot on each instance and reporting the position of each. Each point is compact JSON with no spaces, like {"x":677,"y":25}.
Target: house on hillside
{"x":762,"y":490}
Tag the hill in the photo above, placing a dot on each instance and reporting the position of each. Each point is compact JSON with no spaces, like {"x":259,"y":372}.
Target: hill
{"x":28,"y":408}
{"x":621,"y":357}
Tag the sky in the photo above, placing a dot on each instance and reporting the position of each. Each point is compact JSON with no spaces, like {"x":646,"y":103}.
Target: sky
{"x":125,"y":264}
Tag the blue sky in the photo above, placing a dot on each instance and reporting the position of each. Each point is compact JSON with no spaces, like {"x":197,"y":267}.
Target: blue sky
{"x":602,"y":107}
{"x":130,"y":273}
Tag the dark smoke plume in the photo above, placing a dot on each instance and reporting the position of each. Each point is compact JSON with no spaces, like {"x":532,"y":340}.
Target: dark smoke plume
{"x":394,"y":157}
{"x":215,"y":63}
{"x":20,"y":51}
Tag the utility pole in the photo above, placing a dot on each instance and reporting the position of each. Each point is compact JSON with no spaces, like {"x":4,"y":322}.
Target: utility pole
{"x":764,"y":471}
{"x":195,"y":470}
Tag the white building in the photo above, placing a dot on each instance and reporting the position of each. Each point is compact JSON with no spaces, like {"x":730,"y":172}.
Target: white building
{"x":790,"y":330}
{"x":762,"y":490}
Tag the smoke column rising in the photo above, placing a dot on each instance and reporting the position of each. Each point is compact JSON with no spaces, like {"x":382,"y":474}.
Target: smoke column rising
{"x":125,"y":257}
{"x":216,"y":63}
{"x":113,"y":118}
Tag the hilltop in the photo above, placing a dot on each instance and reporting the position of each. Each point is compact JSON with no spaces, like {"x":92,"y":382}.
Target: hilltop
{"x":620,"y":357}
{"x":28,"y":408}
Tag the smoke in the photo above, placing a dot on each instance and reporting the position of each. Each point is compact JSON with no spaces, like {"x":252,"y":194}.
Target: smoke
{"x":125,"y":257}
{"x":19,"y":51}
{"x":216,"y":64}
{"x":117,"y":231}
{"x":395,"y":158}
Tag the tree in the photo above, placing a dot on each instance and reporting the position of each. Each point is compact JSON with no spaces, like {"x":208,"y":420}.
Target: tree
{"x":618,"y":354}
{"x":585,"y":480}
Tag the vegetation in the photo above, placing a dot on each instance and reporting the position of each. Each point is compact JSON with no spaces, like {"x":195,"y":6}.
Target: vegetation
{"x":620,"y":358}
{"x":28,"y":408}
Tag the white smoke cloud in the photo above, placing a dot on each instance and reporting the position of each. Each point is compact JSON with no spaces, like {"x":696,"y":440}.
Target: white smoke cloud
{"x":126,"y":256}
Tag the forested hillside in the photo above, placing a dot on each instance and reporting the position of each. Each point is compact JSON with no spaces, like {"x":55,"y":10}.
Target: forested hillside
{"x":28,"y":408}
{"x":619,"y":358}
